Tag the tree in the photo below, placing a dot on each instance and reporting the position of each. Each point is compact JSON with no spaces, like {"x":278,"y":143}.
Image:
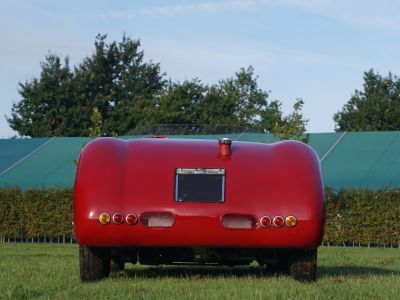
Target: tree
{"x":293,"y":126}
{"x":271,"y":117}
{"x":97,"y":124}
{"x":178,"y":103}
{"x":45,"y":101}
{"x":117,"y":81}
{"x":236,"y":102}
{"x":376,"y":107}
{"x":244,"y":98}
{"x":114,"y":79}
{"x":115,"y":85}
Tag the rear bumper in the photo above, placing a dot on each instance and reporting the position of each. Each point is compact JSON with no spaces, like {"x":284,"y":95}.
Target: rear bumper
{"x":199,"y":231}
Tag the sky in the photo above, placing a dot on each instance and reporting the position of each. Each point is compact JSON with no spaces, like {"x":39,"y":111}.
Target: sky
{"x":314,"y":49}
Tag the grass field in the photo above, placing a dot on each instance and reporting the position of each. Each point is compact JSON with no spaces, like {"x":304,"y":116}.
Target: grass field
{"x":50,"y":271}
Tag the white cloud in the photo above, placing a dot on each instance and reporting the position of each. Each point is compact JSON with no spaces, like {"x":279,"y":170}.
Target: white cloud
{"x":186,"y":8}
{"x":363,"y":13}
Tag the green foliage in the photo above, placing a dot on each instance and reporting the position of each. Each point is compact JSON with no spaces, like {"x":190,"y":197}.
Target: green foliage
{"x":97,"y":124}
{"x":375,"y":108}
{"x":293,"y":126}
{"x":128,"y":93}
{"x":178,"y":103}
{"x":359,"y":216}
{"x":363,"y":217}
{"x":45,"y":101}
{"x":114,"y":79}
{"x":35,"y":212}
{"x":242,"y":99}
{"x":236,"y":101}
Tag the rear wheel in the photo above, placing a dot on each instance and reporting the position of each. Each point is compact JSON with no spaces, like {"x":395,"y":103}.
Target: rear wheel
{"x":303,"y":264}
{"x":94,"y":263}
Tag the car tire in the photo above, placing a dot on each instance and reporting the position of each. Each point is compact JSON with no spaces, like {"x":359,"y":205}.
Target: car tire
{"x":303,"y":266}
{"x":94,"y":263}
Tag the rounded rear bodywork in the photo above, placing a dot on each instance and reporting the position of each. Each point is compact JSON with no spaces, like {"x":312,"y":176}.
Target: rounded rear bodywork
{"x":139,"y":177}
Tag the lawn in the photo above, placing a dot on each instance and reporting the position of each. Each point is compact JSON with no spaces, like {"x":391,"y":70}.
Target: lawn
{"x":50,"y":271}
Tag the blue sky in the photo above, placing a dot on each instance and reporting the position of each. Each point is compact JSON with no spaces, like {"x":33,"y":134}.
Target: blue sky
{"x":314,"y":49}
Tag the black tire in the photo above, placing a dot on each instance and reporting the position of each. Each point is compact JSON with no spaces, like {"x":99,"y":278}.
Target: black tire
{"x":303,"y":266}
{"x":94,"y":263}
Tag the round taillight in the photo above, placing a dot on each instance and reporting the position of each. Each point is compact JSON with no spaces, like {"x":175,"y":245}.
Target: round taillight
{"x":278,"y":221}
{"x":290,"y":221}
{"x":131,"y":219}
{"x":104,"y":218}
{"x":265,"y":221}
{"x":118,"y":218}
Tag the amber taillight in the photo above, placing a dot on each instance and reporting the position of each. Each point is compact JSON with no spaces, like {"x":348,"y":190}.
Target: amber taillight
{"x":104,"y":218}
{"x":290,"y":221}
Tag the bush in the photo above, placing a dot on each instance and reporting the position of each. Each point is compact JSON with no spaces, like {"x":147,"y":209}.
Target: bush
{"x":362,"y":217}
{"x":35,"y":213}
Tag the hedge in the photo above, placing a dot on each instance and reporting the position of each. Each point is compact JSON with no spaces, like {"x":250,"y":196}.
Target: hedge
{"x":360,"y":217}
{"x":35,"y":213}
{"x":363,"y":217}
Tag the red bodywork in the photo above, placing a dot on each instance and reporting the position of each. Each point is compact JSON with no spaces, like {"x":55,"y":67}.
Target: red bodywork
{"x":137,"y":176}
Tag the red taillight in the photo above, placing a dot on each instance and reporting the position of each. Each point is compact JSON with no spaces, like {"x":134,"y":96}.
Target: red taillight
{"x":157,"y":219}
{"x":233,"y":221}
{"x":265,"y":221}
{"x":131,"y":219}
{"x":278,"y":221}
{"x":117,"y":218}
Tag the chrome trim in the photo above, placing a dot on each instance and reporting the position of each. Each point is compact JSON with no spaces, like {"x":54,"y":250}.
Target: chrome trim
{"x":200,"y":171}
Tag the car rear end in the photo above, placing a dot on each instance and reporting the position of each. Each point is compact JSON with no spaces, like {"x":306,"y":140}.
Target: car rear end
{"x":174,"y":201}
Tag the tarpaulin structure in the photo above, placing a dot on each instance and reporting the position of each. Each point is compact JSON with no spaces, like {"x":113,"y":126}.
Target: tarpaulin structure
{"x":349,"y":159}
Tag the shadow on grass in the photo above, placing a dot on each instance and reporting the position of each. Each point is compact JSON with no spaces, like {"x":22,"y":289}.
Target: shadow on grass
{"x":194,"y":272}
{"x":354,"y":271}
{"x":197,"y":272}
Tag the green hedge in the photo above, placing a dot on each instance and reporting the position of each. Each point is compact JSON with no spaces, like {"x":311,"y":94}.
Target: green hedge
{"x":353,"y":216}
{"x":363,"y":217}
{"x":35,"y":213}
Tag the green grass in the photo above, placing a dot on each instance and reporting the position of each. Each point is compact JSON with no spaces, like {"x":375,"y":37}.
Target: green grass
{"x":49,"y":271}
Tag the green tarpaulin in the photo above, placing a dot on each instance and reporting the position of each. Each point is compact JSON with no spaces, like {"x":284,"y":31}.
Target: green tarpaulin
{"x":354,"y":159}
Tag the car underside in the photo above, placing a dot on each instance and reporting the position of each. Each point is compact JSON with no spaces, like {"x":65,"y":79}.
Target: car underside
{"x":97,"y":262}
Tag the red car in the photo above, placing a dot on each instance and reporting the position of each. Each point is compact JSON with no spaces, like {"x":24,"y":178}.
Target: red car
{"x":166,"y":201}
